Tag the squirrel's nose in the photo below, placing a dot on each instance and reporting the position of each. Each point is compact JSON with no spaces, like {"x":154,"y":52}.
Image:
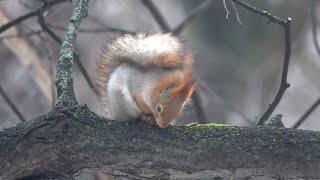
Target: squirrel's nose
{"x":162,"y":124}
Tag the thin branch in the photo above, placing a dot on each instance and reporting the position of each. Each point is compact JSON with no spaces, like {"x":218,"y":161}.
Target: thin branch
{"x":11,"y":104}
{"x":85,"y":73}
{"x":317,"y":47}
{"x":27,"y":56}
{"x":97,"y":30}
{"x":55,"y":37}
{"x":226,"y":9}
{"x":49,"y":52}
{"x":64,"y":78}
{"x":45,"y":28}
{"x":236,"y":12}
{"x":21,"y":34}
{"x":263,"y":13}
{"x":314,"y":27}
{"x":156,"y":15}
{"x":30,"y":14}
{"x":286,"y":24}
{"x":194,"y":13}
{"x":307,"y":114}
{"x":197,"y":103}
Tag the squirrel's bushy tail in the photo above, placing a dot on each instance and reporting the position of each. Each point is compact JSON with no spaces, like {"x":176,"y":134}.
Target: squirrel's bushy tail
{"x":143,"y":51}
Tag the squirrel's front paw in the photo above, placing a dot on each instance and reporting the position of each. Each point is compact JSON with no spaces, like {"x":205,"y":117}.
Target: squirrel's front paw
{"x":148,"y":118}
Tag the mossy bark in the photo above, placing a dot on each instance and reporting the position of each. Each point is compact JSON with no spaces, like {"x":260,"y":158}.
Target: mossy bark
{"x":64,"y":144}
{"x":64,"y":78}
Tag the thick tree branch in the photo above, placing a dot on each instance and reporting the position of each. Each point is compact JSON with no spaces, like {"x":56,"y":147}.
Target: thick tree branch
{"x":57,"y":145}
{"x":64,"y":78}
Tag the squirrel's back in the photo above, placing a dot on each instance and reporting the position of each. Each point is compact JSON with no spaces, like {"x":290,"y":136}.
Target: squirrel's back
{"x":143,"y":52}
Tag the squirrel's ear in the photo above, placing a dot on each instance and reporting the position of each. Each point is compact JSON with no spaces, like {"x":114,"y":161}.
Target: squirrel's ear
{"x":170,"y":86}
{"x":164,"y":93}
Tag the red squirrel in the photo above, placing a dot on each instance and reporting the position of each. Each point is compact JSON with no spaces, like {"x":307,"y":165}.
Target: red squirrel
{"x":145,"y":77}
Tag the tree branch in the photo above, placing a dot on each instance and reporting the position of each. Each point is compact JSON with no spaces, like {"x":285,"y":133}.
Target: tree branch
{"x":30,"y":14}
{"x":317,"y":47}
{"x":314,"y":25}
{"x":27,"y":56}
{"x":194,"y":13}
{"x":64,"y":78}
{"x":58,"y":145}
{"x":10,"y":103}
{"x":97,"y":30}
{"x":76,"y":56}
{"x":286,"y":24}
{"x":157,"y":15}
{"x":307,"y":114}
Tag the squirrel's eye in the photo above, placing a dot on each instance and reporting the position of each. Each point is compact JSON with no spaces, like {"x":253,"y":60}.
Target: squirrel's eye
{"x":159,"y":108}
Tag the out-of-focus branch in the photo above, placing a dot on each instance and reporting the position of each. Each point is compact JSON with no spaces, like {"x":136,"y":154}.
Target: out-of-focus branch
{"x":11,"y":104}
{"x":96,"y":30}
{"x":27,"y":56}
{"x":196,"y":98}
{"x":194,"y":13}
{"x":314,"y":25}
{"x":286,"y":24}
{"x":64,"y":77}
{"x":156,"y":15}
{"x":55,"y":37}
{"x":317,"y":47}
{"x":307,"y":114}
{"x":22,"y":34}
{"x":30,"y":14}
{"x":198,"y":106}
{"x":45,"y":28}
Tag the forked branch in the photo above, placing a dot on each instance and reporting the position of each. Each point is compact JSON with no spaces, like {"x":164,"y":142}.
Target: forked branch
{"x":286,"y":25}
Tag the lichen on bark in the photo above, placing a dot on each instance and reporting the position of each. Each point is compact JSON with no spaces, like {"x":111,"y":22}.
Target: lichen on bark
{"x":64,"y":77}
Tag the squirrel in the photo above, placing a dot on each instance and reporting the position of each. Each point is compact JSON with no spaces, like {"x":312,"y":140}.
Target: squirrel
{"x":145,"y":77}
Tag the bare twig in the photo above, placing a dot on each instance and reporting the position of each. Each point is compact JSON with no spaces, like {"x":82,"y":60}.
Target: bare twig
{"x":317,"y":47}
{"x":236,"y":12}
{"x":286,"y":24}
{"x":64,"y":78}
{"x":11,"y":104}
{"x":194,"y":13}
{"x":307,"y":114}
{"x":314,"y":26}
{"x":30,"y":14}
{"x":156,"y":15}
{"x":226,"y":9}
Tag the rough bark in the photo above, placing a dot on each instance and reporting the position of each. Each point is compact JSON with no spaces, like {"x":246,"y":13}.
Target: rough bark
{"x":61,"y":145}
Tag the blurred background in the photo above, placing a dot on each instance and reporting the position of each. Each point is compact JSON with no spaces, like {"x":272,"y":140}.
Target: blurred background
{"x":238,"y":64}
